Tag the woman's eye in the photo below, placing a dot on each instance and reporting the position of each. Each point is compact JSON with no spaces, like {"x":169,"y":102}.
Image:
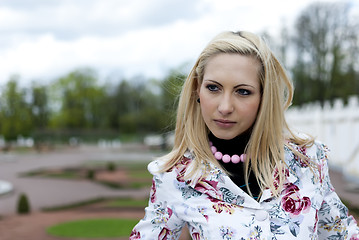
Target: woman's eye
{"x":244,"y":92}
{"x":212,"y":88}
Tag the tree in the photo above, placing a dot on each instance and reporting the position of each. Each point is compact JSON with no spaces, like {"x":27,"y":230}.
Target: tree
{"x":39,"y":106}
{"x":15,"y":112}
{"x":120,"y":101}
{"x":82,"y":101}
{"x":141,"y":111}
{"x":324,"y":46}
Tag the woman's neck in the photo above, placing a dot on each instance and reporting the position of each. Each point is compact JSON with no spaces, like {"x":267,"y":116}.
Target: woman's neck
{"x":233,"y":146}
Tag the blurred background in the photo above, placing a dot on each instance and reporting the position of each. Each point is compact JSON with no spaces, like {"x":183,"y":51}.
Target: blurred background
{"x":87,"y":70}
{"x":98,"y":81}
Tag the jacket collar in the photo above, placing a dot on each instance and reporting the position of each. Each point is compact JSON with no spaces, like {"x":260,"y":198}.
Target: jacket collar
{"x":218,"y":186}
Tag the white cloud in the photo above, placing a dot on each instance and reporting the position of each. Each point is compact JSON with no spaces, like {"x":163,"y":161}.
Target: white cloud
{"x":46,"y":39}
{"x":72,"y":19}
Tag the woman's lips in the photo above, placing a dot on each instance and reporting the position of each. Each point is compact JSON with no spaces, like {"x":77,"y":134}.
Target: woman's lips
{"x":224,"y":123}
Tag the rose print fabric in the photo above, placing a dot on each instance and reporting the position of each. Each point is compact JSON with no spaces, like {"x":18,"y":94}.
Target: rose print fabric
{"x":213,"y":207}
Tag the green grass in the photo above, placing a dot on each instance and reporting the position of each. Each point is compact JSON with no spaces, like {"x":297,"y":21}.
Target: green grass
{"x":133,"y":165}
{"x":93,"y":228}
{"x":143,"y":173}
{"x":65,"y":174}
{"x":113,"y":185}
{"x":73,"y":205}
{"x":110,"y":203}
{"x":139,"y":185}
{"x":128,"y":203}
{"x":139,"y":177}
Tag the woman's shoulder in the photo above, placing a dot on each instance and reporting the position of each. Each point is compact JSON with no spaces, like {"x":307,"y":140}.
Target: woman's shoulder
{"x":312,"y":149}
{"x":319,"y":149}
{"x":154,"y":167}
{"x":157,"y":166}
{"x":186,"y":169}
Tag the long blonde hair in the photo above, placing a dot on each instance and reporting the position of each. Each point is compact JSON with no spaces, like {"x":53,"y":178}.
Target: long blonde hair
{"x":270,"y":131}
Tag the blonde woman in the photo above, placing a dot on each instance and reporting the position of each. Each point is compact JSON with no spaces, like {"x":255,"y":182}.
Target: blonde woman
{"x":236,"y":171}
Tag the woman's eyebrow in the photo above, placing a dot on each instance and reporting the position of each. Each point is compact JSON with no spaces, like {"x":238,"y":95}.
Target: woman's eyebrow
{"x":243,"y":85}
{"x":209,"y":80}
{"x":239,"y":85}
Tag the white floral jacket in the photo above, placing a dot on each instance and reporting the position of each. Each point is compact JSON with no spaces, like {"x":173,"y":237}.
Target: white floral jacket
{"x":214,"y":207}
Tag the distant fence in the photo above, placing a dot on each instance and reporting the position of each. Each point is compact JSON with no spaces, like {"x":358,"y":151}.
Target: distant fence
{"x":337,"y":126}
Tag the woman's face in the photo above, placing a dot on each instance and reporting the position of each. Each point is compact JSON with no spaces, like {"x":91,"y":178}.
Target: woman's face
{"x":230,"y":94}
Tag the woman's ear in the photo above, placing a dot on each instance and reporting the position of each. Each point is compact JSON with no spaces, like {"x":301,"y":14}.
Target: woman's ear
{"x":198,"y":91}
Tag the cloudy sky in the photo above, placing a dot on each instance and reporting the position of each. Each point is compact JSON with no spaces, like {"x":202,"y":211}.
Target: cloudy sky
{"x":42,"y":40}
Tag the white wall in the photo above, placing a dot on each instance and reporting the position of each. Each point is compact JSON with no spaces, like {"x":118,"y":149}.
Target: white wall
{"x":337,"y":126}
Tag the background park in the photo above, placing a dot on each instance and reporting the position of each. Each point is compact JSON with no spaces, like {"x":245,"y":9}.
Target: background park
{"x":74,"y":149}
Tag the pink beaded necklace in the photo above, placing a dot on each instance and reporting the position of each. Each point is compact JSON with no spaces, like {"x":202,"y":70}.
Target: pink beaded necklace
{"x":226,"y":158}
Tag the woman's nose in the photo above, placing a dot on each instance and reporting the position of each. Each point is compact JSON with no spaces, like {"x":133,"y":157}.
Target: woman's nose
{"x":225,"y":105}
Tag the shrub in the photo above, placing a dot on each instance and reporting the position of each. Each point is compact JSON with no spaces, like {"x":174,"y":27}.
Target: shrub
{"x":91,"y":174}
{"x":111,"y":166}
{"x":23,"y":206}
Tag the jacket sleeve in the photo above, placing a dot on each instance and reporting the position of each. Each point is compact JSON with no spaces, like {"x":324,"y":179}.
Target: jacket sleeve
{"x":333,"y":219}
{"x":161,"y":220}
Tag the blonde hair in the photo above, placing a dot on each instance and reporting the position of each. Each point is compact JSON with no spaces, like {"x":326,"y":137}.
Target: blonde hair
{"x":270,"y":131}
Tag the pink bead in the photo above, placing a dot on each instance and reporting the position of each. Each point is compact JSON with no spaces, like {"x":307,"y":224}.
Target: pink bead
{"x":213,"y":149}
{"x":226,"y":158}
{"x":218,"y":155}
{"x":235,"y":159}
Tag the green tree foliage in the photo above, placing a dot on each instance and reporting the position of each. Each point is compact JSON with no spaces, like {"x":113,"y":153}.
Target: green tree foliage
{"x":141,"y":110}
{"x":82,"y":101}
{"x":120,"y":102}
{"x":15,"y":112}
{"x":321,"y":50}
{"x":326,"y":43}
{"x":139,"y":106}
{"x":40,"y":106}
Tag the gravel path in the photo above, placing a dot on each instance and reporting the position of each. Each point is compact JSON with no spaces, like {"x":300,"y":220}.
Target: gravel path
{"x":55,"y":192}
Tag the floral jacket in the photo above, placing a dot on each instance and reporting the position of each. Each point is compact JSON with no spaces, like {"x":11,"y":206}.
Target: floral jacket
{"x":213,"y":207}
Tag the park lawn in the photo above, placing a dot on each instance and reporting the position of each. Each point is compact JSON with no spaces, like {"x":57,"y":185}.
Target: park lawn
{"x":128,"y":203}
{"x":107,"y":203}
{"x":142,"y":173}
{"x":138,"y":175}
{"x":65,"y":174}
{"x":94,"y":228}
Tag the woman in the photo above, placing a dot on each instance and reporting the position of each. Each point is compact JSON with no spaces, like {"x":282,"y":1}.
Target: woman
{"x":236,"y":171}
